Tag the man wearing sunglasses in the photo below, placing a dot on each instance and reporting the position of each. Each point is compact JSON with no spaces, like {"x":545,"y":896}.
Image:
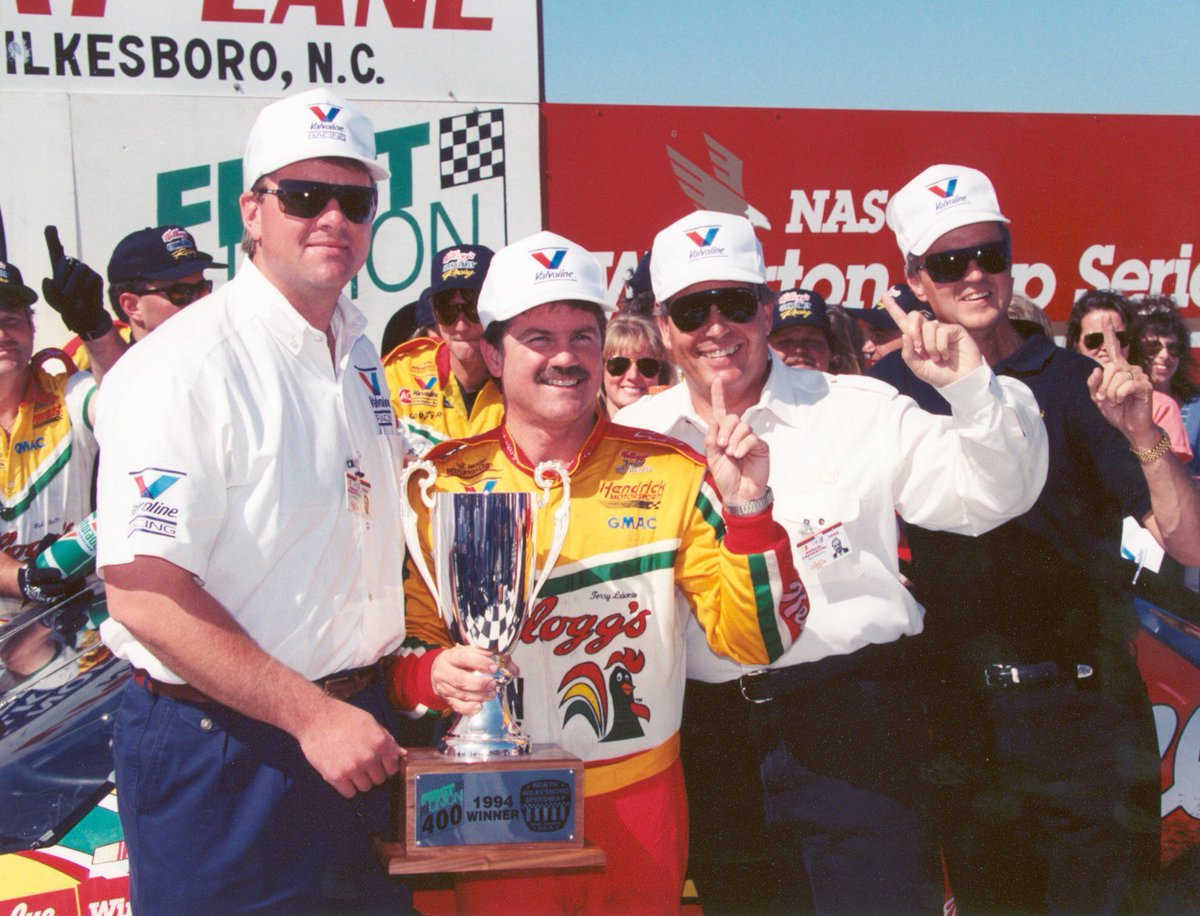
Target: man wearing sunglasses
{"x":646,"y":550}
{"x":155,"y":272}
{"x":441,"y":389}
{"x":1047,"y":764}
{"x":814,"y":761}
{"x":253,"y":565}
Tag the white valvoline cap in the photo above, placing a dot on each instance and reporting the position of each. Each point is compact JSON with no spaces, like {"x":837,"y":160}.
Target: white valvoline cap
{"x":533,"y":271}
{"x":706,"y":245}
{"x":941,"y":198}
{"x":312,"y":125}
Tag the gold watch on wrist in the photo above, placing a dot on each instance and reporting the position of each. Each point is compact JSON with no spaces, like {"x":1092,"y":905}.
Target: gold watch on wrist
{"x":1156,"y":451}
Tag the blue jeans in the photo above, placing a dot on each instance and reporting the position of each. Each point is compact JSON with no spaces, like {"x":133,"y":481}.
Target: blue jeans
{"x":223,"y":814}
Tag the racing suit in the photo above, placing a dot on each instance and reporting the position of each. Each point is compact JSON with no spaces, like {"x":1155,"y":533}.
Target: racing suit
{"x":46,"y":465}
{"x":429,"y":400}
{"x":601,"y":654}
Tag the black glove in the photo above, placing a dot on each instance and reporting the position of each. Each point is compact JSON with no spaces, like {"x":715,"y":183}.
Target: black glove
{"x":44,"y":585}
{"x":75,"y":291}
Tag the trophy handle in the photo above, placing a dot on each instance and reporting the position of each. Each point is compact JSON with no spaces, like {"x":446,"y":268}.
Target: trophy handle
{"x":408,"y":520}
{"x":562,"y":518}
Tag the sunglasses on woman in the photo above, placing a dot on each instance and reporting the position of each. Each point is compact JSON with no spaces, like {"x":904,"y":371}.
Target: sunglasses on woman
{"x":738,"y":304}
{"x":179,"y":294}
{"x":1151,"y":348}
{"x":1095,"y":340}
{"x":951,"y":266}
{"x":307,"y":199}
{"x":647,"y":367}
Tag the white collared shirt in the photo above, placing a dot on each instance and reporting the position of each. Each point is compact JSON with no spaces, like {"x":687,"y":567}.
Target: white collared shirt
{"x":227,"y":436}
{"x":848,"y":450}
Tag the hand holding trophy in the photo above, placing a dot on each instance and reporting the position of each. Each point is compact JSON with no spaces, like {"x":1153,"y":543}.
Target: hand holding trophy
{"x":485,"y":578}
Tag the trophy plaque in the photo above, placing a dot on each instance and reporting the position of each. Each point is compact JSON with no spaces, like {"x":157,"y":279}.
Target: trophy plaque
{"x":486,"y":798}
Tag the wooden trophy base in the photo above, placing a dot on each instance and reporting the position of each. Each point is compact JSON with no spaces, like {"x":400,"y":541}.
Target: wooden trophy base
{"x":501,"y":814}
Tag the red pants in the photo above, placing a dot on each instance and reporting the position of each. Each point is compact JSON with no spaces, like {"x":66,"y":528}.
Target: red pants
{"x":643,"y":831}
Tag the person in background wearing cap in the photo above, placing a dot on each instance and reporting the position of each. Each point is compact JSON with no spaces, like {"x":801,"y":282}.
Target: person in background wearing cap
{"x":49,"y":455}
{"x":814,"y":761}
{"x":441,"y":388}
{"x":152,"y":274}
{"x":801,"y":334}
{"x":1047,"y":764}
{"x":601,"y":655}
{"x":882,"y":335}
{"x":253,"y":553}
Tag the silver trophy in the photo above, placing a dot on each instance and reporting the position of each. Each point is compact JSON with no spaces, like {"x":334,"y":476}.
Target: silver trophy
{"x":485,"y":579}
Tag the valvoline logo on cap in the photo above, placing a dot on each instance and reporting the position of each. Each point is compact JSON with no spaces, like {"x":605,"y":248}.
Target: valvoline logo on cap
{"x":704,"y":238}
{"x":552,"y":260}
{"x":944,"y":190}
{"x":324,"y":128}
{"x":328,"y":115}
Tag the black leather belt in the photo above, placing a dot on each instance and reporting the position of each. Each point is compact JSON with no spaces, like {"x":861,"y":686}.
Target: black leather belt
{"x":1036,"y":673}
{"x":769,"y":683}
{"x":340,"y":686}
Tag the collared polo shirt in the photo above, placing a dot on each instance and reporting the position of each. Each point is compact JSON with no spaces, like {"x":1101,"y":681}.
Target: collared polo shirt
{"x":228,"y":436}
{"x":849,"y":451}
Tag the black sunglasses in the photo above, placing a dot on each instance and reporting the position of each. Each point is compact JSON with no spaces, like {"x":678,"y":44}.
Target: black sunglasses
{"x":738,"y":304}
{"x":306,"y":199}
{"x":646,"y":366}
{"x":1095,"y":340}
{"x":447,"y":311}
{"x":1151,"y":348}
{"x":180,"y":294}
{"x":951,"y":266}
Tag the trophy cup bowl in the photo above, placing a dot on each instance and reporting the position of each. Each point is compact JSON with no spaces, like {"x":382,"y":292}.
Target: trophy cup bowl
{"x":481,"y":544}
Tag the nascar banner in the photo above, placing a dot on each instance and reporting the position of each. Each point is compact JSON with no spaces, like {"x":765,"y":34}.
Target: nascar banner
{"x":1095,"y":200}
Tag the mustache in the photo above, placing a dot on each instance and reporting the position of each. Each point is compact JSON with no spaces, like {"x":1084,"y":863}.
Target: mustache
{"x":556,"y":374}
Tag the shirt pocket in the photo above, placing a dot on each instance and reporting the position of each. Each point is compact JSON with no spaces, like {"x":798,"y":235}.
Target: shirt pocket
{"x":805,"y":511}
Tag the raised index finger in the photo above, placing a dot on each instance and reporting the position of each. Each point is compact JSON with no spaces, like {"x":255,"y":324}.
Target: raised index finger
{"x":54,"y":246}
{"x":717,"y":398}
{"x":1111,"y":345}
{"x":893,"y":308}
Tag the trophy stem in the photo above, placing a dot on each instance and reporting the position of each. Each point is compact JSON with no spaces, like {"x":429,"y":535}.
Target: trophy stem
{"x":491,"y":732}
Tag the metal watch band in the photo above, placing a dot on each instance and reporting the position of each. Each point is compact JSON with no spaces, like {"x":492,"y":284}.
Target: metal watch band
{"x":753,"y":507}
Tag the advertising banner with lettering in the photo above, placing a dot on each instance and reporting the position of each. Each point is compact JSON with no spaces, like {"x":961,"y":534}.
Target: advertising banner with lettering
{"x":102,"y":166}
{"x":1095,"y":200}
{"x":431,"y":50}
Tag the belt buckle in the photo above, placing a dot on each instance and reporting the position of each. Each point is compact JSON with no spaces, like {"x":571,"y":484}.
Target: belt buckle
{"x":1001,"y":675}
{"x":745,"y":679}
{"x":331,"y":685}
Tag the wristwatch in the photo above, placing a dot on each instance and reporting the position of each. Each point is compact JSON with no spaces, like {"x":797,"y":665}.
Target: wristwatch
{"x":753,"y":507}
{"x":1152,"y":454}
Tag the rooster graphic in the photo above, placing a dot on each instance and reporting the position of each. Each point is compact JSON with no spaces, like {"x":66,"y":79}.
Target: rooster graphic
{"x":609,"y":707}
{"x":722,"y":189}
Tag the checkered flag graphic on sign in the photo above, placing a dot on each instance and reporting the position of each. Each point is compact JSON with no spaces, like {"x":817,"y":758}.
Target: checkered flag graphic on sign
{"x":472,"y":147}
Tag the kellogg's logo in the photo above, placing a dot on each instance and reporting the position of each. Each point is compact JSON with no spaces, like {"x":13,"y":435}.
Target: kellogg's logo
{"x":458,"y":263}
{"x":633,"y":463}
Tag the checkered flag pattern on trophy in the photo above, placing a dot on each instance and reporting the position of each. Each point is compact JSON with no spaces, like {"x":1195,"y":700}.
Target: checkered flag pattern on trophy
{"x":472,"y":147}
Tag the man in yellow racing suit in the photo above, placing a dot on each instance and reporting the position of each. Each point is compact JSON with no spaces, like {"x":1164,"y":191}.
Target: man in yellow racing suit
{"x":649,"y":544}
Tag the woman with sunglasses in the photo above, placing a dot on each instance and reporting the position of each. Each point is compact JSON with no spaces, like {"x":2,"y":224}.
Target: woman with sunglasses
{"x":1085,"y":335}
{"x":635,"y":362}
{"x":1160,"y":344}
